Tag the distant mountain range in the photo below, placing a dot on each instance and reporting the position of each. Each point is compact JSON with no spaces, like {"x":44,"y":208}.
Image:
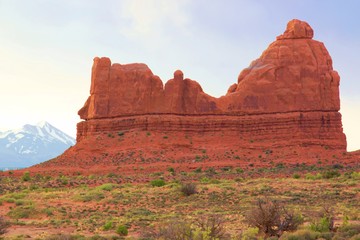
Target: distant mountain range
{"x":32,"y":144}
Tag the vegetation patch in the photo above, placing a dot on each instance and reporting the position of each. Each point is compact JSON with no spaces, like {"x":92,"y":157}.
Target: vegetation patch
{"x":157,"y":183}
{"x":226,"y":204}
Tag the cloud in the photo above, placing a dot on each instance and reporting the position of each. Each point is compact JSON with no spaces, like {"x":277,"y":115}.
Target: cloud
{"x":152,"y":18}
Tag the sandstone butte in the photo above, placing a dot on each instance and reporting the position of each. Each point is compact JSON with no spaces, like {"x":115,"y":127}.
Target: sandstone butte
{"x":283,"y":108}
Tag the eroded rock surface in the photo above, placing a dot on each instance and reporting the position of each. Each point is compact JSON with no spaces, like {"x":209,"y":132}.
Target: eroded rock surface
{"x":295,"y":73}
{"x":291,"y":93}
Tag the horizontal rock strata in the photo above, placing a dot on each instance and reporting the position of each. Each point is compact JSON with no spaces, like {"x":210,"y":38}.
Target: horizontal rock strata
{"x":305,"y":129}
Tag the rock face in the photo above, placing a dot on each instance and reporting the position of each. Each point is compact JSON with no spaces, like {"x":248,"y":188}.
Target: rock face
{"x":289,"y":95}
{"x":294,"y":74}
{"x":132,"y":89}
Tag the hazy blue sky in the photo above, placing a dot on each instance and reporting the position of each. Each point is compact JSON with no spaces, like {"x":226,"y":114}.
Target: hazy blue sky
{"x":47,"y":48}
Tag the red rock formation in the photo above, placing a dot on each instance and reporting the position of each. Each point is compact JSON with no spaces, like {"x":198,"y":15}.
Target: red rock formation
{"x":284,"y":108}
{"x":297,"y":29}
{"x":294,"y":74}
{"x":132,"y":89}
{"x":290,"y":93}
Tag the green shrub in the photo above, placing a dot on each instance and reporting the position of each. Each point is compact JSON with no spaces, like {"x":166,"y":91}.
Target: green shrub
{"x":122,"y":230}
{"x":62,"y":236}
{"x":280,"y":165}
{"x":226,"y":169}
{"x":215,"y":181}
{"x":93,"y":195}
{"x":211,"y":171}
{"x":157,"y":183}
{"x":205,"y":180}
{"x":249,"y":234}
{"x":296,"y":176}
{"x":355,"y":175}
{"x":331,"y":174}
{"x":338,"y":166}
{"x":310,"y":176}
{"x":111,"y":175}
{"x":106,"y":187}
{"x":9,"y":200}
{"x":33,"y":187}
{"x":108,"y":225}
{"x":324,"y":225}
{"x":63,"y":180}
{"x":26,"y":177}
{"x":20,"y":202}
{"x":49,"y":211}
{"x":18,"y":195}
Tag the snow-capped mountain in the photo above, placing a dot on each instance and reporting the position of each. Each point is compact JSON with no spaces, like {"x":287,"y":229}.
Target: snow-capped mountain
{"x":32,"y":144}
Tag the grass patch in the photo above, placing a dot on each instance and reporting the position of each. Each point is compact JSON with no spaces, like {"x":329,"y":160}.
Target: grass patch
{"x":157,"y":183}
{"x":23,"y":212}
{"x":92,"y":195}
{"x":106,"y":187}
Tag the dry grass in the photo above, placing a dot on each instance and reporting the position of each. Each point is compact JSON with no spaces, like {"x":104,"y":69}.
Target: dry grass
{"x":86,"y":204}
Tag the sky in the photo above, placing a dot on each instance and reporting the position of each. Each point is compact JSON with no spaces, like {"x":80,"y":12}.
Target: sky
{"x":47,"y":48}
